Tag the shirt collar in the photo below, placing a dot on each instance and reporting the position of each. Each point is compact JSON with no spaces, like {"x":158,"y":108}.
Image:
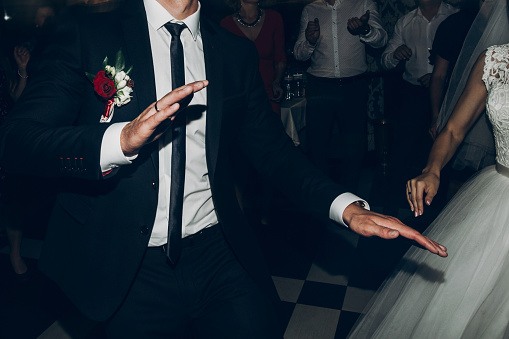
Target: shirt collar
{"x":336,"y":4}
{"x":441,"y":11}
{"x":158,"y":16}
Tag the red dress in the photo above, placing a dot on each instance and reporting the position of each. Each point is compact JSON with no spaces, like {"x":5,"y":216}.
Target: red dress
{"x":270,"y":44}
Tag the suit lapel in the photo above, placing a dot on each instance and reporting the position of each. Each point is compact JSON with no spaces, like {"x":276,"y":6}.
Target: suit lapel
{"x":215,"y":91}
{"x":139,"y":54}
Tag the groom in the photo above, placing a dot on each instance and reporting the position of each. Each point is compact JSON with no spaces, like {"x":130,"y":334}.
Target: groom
{"x":109,"y":246}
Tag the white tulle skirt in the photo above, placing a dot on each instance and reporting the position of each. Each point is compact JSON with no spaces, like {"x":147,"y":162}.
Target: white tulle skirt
{"x":465,"y":295}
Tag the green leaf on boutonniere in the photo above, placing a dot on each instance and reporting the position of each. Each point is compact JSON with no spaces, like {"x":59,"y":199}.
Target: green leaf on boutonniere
{"x":119,"y":62}
{"x":120,"y":93}
{"x":90,"y":76}
{"x":129,"y":70}
{"x":105,"y":62}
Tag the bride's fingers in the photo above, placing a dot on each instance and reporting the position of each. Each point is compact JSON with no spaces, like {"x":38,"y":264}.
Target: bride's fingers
{"x":414,"y":197}
{"x":412,"y":189}
{"x":430,"y":195}
{"x":408,"y":194}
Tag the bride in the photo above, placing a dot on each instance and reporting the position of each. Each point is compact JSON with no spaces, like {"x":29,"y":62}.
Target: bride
{"x":466,"y":295}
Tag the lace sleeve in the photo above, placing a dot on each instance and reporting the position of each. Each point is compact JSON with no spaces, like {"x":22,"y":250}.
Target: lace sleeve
{"x":496,"y":66}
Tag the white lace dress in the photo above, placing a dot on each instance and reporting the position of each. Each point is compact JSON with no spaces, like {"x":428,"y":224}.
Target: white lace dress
{"x":467,"y":294}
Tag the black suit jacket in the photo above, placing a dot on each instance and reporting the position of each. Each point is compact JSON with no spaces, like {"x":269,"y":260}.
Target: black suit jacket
{"x":100,"y":226}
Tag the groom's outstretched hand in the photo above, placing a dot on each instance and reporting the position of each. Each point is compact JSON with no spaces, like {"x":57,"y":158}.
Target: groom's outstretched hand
{"x":369,"y":224}
{"x":155,"y":119}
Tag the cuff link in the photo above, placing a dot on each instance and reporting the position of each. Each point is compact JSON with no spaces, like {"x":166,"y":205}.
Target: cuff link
{"x":360,"y":203}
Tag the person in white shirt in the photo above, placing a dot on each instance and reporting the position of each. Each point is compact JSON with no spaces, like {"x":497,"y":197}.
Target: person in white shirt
{"x":410,"y":119}
{"x":413,"y":38}
{"x":333,"y":35}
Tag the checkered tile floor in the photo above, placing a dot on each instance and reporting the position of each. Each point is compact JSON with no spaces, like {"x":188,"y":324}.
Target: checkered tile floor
{"x":319,"y":278}
{"x":325,"y":275}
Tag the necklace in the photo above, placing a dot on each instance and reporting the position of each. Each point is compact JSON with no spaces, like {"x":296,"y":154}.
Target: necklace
{"x":252,"y":24}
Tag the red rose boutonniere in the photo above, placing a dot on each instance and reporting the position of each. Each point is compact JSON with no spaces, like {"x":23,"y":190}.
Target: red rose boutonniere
{"x":113,"y":84}
{"x":103,"y":85}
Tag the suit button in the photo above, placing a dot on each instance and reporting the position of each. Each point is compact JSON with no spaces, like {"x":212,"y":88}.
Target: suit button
{"x":144,"y":230}
{"x":154,"y":185}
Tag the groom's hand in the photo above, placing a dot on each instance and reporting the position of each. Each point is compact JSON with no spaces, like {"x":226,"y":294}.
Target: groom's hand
{"x":369,"y":224}
{"x":153,"y":121}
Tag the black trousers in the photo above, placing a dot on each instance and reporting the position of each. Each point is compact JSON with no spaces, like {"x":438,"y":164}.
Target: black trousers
{"x":330,"y":103}
{"x":208,"y":294}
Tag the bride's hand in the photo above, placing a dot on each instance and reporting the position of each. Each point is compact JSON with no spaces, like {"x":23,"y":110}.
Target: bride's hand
{"x":427,"y":183}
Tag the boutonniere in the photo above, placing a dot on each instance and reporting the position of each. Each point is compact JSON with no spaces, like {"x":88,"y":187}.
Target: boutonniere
{"x":114,"y":84}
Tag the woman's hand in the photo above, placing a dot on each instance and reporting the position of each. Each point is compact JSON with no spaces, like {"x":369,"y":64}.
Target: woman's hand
{"x":428,"y":183}
{"x":22,"y":56}
{"x":277,"y":91}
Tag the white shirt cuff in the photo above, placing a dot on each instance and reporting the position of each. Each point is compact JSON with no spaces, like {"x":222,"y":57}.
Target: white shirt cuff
{"x":391,"y":61}
{"x":111,"y":151}
{"x":339,"y":205}
{"x":310,"y":48}
{"x":368,"y":37}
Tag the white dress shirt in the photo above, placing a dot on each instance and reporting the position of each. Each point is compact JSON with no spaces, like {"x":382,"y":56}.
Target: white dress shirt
{"x":416,"y":32}
{"x":338,"y":53}
{"x":199,"y":211}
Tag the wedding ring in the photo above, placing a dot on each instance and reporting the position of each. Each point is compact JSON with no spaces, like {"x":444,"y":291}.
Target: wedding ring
{"x":155,"y":106}
{"x":409,"y":192}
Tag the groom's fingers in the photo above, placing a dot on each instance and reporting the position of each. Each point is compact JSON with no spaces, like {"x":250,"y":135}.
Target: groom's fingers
{"x":180,"y":95}
{"x":369,"y":224}
{"x":147,"y":126}
{"x":442,"y":247}
{"x":410,"y":233}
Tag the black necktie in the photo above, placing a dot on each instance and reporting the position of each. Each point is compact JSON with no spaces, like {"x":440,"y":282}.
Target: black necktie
{"x":178,"y":155}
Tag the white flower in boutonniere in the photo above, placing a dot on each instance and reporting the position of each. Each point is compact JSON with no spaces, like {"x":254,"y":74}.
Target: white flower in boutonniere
{"x":122,"y":81}
{"x":110,"y":69}
{"x":113,"y":84}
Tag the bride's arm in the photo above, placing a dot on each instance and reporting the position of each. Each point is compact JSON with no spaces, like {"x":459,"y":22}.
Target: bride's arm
{"x":468,"y":109}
